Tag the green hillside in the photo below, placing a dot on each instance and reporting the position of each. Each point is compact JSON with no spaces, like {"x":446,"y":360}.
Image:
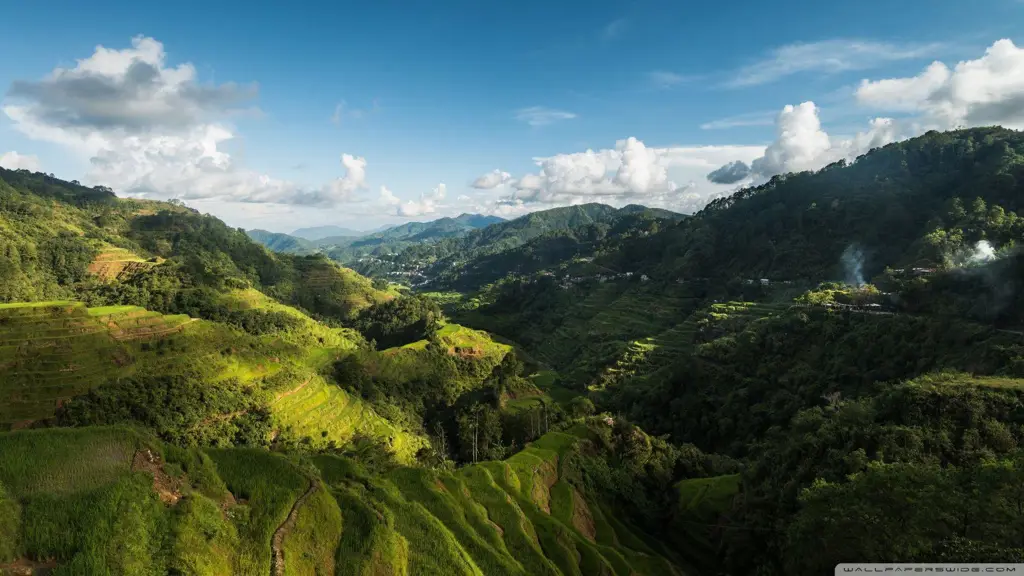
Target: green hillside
{"x":318,"y":232}
{"x":346,"y":246}
{"x":825,"y":368}
{"x":528,"y":244}
{"x":279,"y":242}
{"x":139,"y":506}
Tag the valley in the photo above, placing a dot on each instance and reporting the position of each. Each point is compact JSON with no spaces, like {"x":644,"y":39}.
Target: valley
{"x":824,"y":368}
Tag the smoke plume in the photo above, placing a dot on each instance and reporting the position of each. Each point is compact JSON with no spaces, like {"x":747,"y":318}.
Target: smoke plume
{"x":983,"y":252}
{"x":853,"y":265}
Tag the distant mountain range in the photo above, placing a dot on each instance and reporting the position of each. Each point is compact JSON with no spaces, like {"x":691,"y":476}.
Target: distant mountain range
{"x":524,"y":245}
{"x":319,"y":232}
{"x":345,"y":244}
{"x":422,"y":231}
{"x":279,"y":242}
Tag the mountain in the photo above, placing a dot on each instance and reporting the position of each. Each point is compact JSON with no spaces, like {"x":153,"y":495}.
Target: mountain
{"x":717,"y":330}
{"x":395,"y":238}
{"x":527,"y":244}
{"x":440,"y":228}
{"x":928,"y":203}
{"x":759,"y":388}
{"x":189,"y":402}
{"x":418,"y":231}
{"x":319,"y":232}
{"x":278,"y":242}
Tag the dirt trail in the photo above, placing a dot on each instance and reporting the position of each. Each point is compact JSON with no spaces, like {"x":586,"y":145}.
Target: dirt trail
{"x":277,"y":542}
{"x":293,"y":391}
{"x":167,"y":488}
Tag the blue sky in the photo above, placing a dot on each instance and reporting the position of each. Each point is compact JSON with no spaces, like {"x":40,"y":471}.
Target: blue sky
{"x":420,"y":94}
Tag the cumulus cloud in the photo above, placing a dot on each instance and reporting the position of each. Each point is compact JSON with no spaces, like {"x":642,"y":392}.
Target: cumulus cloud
{"x":829,"y":56}
{"x":388,"y":198}
{"x":14,"y":161}
{"x":151,"y":129}
{"x":731,"y":173}
{"x":541,"y":116}
{"x":131,"y":90}
{"x":427,"y":204}
{"x":985,"y":91}
{"x":672,"y":177}
{"x":492,"y":179}
{"x":801,"y":143}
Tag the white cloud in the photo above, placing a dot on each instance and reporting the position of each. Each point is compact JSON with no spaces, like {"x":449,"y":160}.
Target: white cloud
{"x":903,"y":94}
{"x":492,"y":179}
{"x":640,"y":169}
{"x":130,"y":90}
{"x":827,"y":57}
{"x":541,"y":116}
{"x":985,"y":91}
{"x":801,"y":143}
{"x":388,"y":198}
{"x":427,"y":204}
{"x":150,"y":129}
{"x":342,"y":110}
{"x":14,"y":161}
{"x":630,"y":172}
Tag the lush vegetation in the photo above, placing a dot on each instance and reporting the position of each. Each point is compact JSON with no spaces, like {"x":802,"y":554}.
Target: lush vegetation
{"x":825,"y":368}
{"x":279,"y":242}
{"x":114,"y":500}
{"x":348,"y":246}
{"x":526,"y":244}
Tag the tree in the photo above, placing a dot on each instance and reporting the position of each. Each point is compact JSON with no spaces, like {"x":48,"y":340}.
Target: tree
{"x":581,"y":407}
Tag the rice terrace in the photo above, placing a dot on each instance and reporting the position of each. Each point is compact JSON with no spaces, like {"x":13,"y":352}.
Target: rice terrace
{"x":366,"y":291}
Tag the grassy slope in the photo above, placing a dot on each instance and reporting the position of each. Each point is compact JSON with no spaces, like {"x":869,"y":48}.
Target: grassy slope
{"x":52,"y":351}
{"x":519,"y":516}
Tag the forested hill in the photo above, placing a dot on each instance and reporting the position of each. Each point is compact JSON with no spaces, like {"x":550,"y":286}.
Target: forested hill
{"x":350,"y":246}
{"x":277,"y":242}
{"x":901,"y":382}
{"x":924,"y":202}
{"x":317,"y":232}
{"x":435,"y":229}
{"x":177,"y":399}
{"x":62,"y":241}
{"x":553,"y":235}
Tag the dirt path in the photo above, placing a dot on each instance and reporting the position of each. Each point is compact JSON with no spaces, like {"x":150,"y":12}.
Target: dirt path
{"x":167,"y":488}
{"x":277,"y":542}
{"x":293,"y":391}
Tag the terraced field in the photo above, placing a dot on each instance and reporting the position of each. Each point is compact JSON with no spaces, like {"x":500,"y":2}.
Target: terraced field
{"x":647,"y":356}
{"x":326,"y":413}
{"x":54,"y":350}
{"x":113,"y":263}
{"x":518,"y":516}
{"x":235,"y":509}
